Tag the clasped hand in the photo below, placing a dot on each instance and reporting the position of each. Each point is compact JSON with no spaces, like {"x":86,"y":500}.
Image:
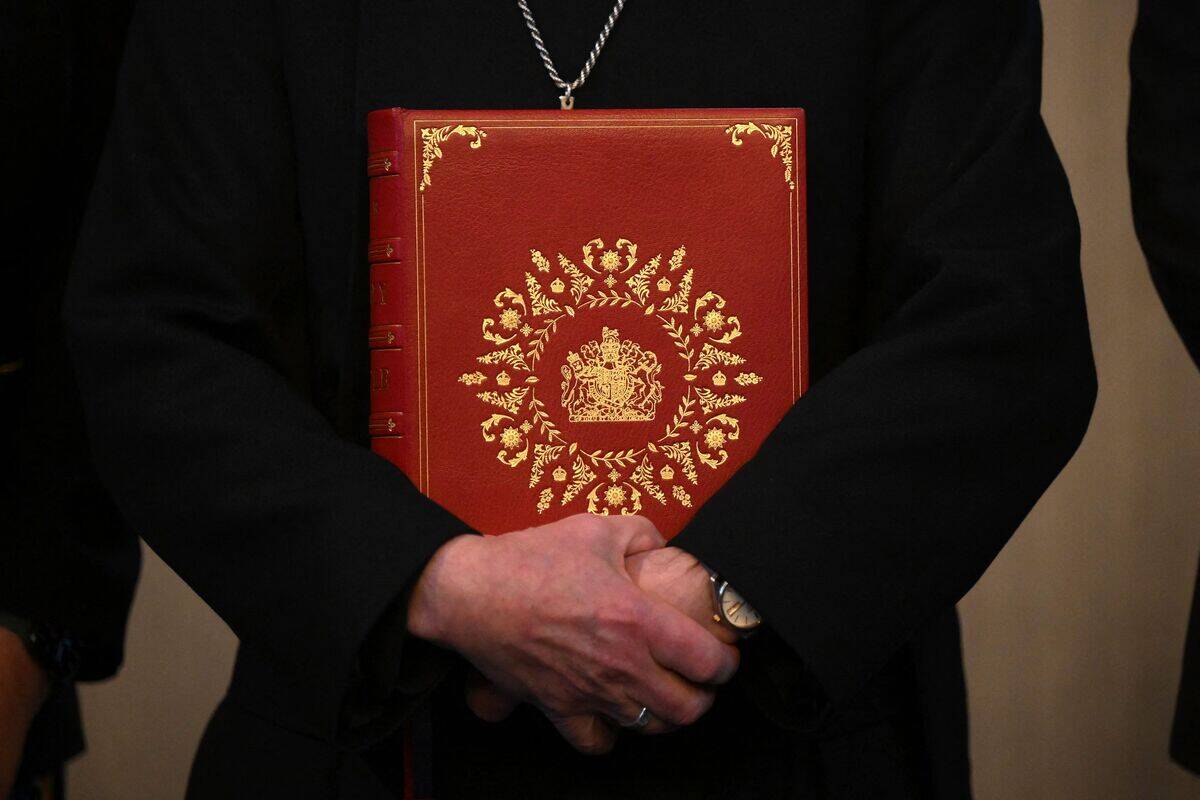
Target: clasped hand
{"x":589,"y":618}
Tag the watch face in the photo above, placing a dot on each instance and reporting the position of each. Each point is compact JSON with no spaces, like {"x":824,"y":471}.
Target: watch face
{"x":739,"y":613}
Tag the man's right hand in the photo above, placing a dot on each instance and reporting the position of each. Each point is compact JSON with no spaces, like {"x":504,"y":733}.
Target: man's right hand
{"x":550,"y":616}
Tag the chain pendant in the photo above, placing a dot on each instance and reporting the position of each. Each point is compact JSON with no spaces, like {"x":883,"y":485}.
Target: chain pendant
{"x":567,"y":101}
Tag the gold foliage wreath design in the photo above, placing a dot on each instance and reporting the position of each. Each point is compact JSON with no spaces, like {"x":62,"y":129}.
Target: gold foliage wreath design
{"x":704,"y":334}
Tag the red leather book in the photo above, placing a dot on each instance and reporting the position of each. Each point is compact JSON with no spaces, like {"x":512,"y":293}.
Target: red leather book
{"x":573,"y":311}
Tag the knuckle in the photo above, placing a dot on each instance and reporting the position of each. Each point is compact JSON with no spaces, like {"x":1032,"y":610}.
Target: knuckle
{"x":710,"y":665}
{"x":622,"y":613}
{"x":616,"y":665}
{"x":608,"y":671}
{"x":637,"y":525}
{"x":692,"y":708}
{"x":562,"y":700}
{"x":712,"y":662}
{"x":644,"y":524}
{"x":588,"y":526}
{"x":585,"y":685}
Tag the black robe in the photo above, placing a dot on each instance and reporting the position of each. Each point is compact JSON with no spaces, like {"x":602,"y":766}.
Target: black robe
{"x":218,"y":319}
{"x":66,"y":558}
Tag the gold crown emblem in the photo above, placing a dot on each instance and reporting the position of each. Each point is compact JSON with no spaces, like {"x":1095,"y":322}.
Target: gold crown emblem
{"x":666,"y":473}
{"x":718,"y":378}
{"x":611,"y":381}
{"x":557,"y":285}
{"x":664,"y":284}
{"x":502,"y":379}
{"x":559,"y":474}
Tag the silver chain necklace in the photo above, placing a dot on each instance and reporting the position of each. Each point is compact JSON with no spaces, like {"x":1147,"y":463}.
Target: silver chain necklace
{"x":567,"y":100}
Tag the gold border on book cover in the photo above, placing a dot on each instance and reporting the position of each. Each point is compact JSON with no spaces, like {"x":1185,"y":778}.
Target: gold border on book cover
{"x":431,"y":145}
{"x":780,"y":137}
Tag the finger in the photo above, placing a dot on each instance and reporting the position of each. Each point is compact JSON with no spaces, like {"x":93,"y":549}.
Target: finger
{"x":654,"y":724}
{"x":671,"y":701}
{"x":587,"y":733}
{"x":681,"y":644}
{"x":487,"y":701}
{"x":655,"y":727}
{"x":640,"y":535}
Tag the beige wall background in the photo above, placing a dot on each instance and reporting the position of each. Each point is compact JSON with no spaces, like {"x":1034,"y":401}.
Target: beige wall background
{"x":1072,"y":639}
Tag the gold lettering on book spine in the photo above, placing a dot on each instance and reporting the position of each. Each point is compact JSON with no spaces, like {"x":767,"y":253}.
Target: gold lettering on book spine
{"x":431,"y":145}
{"x":780,"y":137}
{"x":610,"y":379}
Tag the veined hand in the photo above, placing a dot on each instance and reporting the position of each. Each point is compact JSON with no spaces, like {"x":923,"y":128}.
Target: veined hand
{"x":551,"y":616}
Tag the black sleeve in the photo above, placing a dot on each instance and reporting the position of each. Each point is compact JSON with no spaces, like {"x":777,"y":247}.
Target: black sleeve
{"x":66,"y":558}
{"x":186,"y":318}
{"x":1164,"y":155}
{"x":889,"y":488}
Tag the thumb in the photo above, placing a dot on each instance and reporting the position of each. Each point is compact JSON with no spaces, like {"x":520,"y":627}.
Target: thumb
{"x":640,"y":535}
{"x":488,"y":701}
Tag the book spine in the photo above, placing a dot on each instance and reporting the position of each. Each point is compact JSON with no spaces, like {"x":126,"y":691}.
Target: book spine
{"x":393,"y":287}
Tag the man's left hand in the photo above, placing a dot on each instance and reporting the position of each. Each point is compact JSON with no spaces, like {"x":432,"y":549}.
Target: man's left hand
{"x":676,"y":577}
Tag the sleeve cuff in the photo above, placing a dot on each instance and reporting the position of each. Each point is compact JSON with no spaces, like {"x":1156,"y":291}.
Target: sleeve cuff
{"x":395,"y":672}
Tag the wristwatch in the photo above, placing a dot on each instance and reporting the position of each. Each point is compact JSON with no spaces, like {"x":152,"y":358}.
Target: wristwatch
{"x":54,"y":651}
{"x":731,"y":609}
